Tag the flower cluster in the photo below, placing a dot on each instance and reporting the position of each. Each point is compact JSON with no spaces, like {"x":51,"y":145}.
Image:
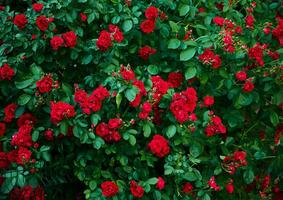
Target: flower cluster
{"x":6,"y":72}
{"x":109,"y":131}
{"x":209,"y":58}
{"x":184,"y":103}
{"x":60,"y":111}
{"x":105,"y":39}
{"x":93,"y":102}
{"x":231,"y":163}
{"x":159,"y":146}
{"x":68,"y":39}
{"x":215,"y":126}
{"x":27,"y":192}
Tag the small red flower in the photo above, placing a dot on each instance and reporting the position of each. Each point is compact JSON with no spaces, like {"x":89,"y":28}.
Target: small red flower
{"x":159,"y":146}
{"x":42,"y":23}
{"x":160,"y":183}
{"x":83,"y":17}
{"x":136,"y":190}
{"x":241,"y":76}
{"x":146,"y":51}
{"x":151,"y":13}
{"x":104,"y":41}
{"x":37,"y":7}
{"x":109,"y":188}
{"x":187,"y":188}
{"x":20,"y":21}
{"x":44,"y":85}
{"x":248,"y":86}
{"x":147,"y":26}
{"x":208,"y":101}
{"x":56,"y":42}
{"x":70,"y":39}
{"x":6,"y":72}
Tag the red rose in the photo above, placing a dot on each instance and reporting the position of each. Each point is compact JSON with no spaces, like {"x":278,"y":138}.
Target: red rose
{"x":42,"y":23}
{"x":241,"y":76}
{"x":102,"y":129}
{"x":109,"y":188}
{"x":216,"y":62}
{"x":104,"y":41}
{"x":49,"y":135}
{"x":116,"y":32}
{"x":38,"y":193}
{"x":127,"y":73}
{"x":175,"y":79}
{"x":6,"y":72}
{"x":56,"y":42}
{"x":212,"y":184}
{"x":4,"y":162}
{"x":219,"y":21}
{"x":230,"y":188}
{"x":37,"y":7}
{"x":147,"y":26}
{"x":208,"y":101}
{"x":115,"y":123}
{"x":44,"y":85}
{"x":70,"y":39}
{"x":239,"y":155}
{"x":159,"y":146}
{"x":60,"y":111}
{"x":187,"y":188}
{"x":160,"y":183}
{"x":20,"y":21}
{"x":146,"y":51}
{"x":2,"y":128}
{"x":136,"y":190}
{"x":151,"y":13}
{"x":26,"y":119}
{"x":9,"y":111}
{"x":248,"y":86}
{"x":24,"y":156}
{"x":83,"y":17}
{"x":101,"y":93}
{"x":250,"y":21}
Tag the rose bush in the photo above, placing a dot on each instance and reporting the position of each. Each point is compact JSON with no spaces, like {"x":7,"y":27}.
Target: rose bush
{"x":141,"y":99}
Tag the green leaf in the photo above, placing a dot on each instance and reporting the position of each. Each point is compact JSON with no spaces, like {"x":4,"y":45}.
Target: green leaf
{"x":259,"y":155}
{"x":64,"y":128}
{"x":23,"y":84}
{"x":94,"y":118}
{"x":157,"y":195}
{"x":92,"y":184}
{"x":152,"y":69}
{"x":244,"y":99}
{"x":24,"y":99}
{"x":35,"y":136}
{"x":248,"y":176}
{"x":174,"y":26}
{"x":152,"y":181}
{"x":21,"y":180}
{"x":132,"y":140}
{"x":184,"y":9}
{"x":127,"y":25}
{"x":187,"y":54}
{"x":131,"y":93}
{"x":87,"y":59}
{"x":190,"y":72}
{"x":8,"y":185}
{"x":146,"y":130}
{"x":173,"y":43}
{"x":196,"y":149}
{"x":171,"y":131}
{"x":274,"y":118}
{"x":119,"y":98}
